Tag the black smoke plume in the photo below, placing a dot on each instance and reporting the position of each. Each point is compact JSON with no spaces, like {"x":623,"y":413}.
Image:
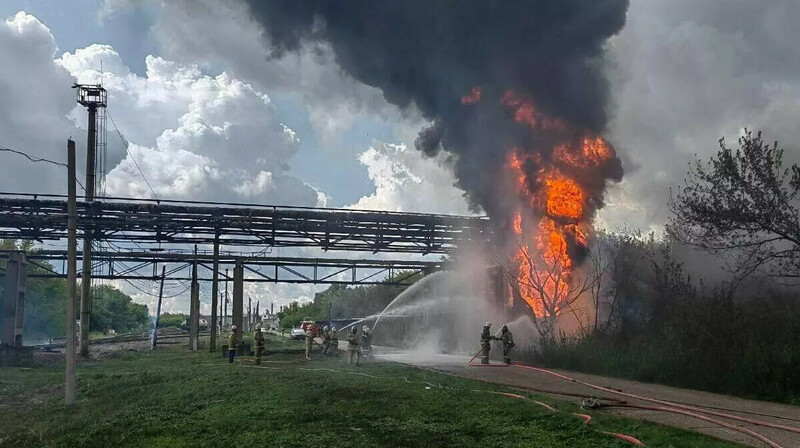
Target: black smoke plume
{"x":431,"y":53}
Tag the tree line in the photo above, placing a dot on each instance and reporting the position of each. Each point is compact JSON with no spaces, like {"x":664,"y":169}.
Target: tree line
{"x":661,"y":320}
{"x":345,"y":301}
{"x":46,"y":301}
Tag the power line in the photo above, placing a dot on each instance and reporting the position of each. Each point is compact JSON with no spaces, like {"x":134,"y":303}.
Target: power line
{"x":125,"y":142}
{"x":35,"y":159}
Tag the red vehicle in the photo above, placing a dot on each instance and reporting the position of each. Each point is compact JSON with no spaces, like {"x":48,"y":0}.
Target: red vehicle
{"x":306,"y":323}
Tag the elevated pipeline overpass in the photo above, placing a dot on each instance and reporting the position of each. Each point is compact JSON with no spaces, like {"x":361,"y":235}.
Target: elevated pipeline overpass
{"x":149,"y":224}
{"x":43,"y":217}
{"x":133,"y":265}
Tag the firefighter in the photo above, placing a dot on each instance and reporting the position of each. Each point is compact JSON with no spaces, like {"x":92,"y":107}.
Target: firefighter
{"x":232,"y":338}
{"x":366,"y":342}
{"x":508,"y":343}
{"x":334,"y":347}
{"x":309,"y":341}
{"x":486,"y":339}
{"x":258,"y":340}
{"x":352,"y":346}
{"x":326,"y":339}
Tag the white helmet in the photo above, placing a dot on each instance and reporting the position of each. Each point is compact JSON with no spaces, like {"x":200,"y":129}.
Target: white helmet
{"x":333,"y":328}
{"x":325,"y":328}
{"x":487,"y":324}
{"x":365,"y":329}
{"x":233,"y":327}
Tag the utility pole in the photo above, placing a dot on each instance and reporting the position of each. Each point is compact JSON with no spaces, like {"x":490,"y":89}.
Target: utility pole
{"x":249,"y":313}
{"x":158,"y":310}
{"x":330,"y":312}
{"x":238,"y":299}
{"x":72,"y":267}
{"x":92,"y":97}
{"x":194,"y":307}
{"x":226,"y":295}
{"x":221,"y":316}
{"x":214,"y":293}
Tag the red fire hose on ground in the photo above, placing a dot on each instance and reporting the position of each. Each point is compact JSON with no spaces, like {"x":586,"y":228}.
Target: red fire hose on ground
{"x":667,"y":406}
{"x":586,"y":418}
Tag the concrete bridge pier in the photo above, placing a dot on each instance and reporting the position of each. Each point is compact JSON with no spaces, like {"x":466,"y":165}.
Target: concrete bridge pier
{"x":16,"y":279}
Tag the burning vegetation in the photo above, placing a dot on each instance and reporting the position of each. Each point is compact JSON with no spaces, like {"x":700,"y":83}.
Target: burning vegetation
{"x":554,"y":187}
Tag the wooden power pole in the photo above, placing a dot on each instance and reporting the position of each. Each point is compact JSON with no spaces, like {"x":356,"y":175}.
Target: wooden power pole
{"x":158,"y":309}
{"x":72,"y":267}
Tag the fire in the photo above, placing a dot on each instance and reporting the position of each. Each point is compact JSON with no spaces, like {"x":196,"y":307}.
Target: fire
{"x":593,"y":152}
{"x":564,"y":197}
{"x":526,"y":113}
{"x":553,"y":214}
{"x":472,"y":97}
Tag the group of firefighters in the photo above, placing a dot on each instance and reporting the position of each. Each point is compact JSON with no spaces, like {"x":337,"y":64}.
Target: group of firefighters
{"x":357,"y":346}
{"x":505,"y":337}
{"x":361,"y":346}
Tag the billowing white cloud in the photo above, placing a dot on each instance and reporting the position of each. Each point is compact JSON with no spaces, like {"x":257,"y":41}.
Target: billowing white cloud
{"x":202,"y":137}
{"x":35,"y":98}
{"x":407,"y":181}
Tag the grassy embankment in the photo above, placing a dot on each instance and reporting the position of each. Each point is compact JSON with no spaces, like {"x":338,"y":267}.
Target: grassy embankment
{"x":174,"y":398}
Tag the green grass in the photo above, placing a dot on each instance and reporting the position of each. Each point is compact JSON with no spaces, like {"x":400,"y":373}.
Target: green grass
{"x":174,"y":398}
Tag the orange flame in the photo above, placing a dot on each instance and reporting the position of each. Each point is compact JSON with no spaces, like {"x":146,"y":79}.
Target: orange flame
{"x":472,"y":97}
{"x":558,"y":201}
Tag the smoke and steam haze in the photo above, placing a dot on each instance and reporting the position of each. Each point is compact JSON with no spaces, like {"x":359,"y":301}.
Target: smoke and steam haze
{"x":549,"y":53}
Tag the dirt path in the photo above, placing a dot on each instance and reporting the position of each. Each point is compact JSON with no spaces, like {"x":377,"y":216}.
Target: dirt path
{"x":517,"y":376}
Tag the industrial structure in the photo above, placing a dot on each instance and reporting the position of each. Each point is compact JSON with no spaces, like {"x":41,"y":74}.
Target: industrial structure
{"x":155,"y":239}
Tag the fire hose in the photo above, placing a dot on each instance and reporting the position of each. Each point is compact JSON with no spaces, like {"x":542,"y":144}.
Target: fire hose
{"x":667,"y":406}
{"x":585,"y":417}
{"x":483,"y":365}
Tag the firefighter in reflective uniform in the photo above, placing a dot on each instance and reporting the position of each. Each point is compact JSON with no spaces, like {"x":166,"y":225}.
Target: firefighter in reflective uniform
{"x":352,"y":346}
{"x":486,"y":340}
{"x":232,"y":339}
{"x":309,"y":341}
{"x":366,"y":342}
{"x":334,"y":347}
{"x":508,"y":343}
{"x":326,"y":340}
{"x":258,"y":341}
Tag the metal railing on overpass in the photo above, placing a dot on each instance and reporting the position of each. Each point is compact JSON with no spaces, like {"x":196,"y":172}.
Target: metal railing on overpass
{"x":142,"y":221}
{"x":145,"y":266}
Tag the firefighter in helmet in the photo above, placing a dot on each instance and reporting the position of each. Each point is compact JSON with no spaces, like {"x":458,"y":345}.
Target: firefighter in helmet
{"x":326,"y":340}
{"x":258,"y":341}
{"x":366,"y":342}
{"x":508,"y":343}
{"x":333,"y":348}
{"x":352,"y":346}
{"x":486,"y":339}
{"x":309,"y":341}
{"x":232,"y":341}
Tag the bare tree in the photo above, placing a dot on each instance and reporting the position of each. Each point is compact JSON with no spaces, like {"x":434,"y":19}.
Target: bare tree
{"x":554,"y":289}
{"x":743,"y":204}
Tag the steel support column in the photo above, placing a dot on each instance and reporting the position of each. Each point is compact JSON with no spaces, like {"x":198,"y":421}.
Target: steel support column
{"x":194,"y":311}
{"x":238,"y":298}
{"x":14,"y":299}
{"x":214,"y":295}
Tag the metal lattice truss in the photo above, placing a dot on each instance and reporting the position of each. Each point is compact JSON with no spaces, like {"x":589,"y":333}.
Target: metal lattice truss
{"x":156,"y":222}
{"x":146,"y":266}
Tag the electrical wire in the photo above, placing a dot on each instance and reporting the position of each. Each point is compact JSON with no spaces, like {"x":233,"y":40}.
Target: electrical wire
{"x":127,"y":150}
{"x":35,"y":159}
